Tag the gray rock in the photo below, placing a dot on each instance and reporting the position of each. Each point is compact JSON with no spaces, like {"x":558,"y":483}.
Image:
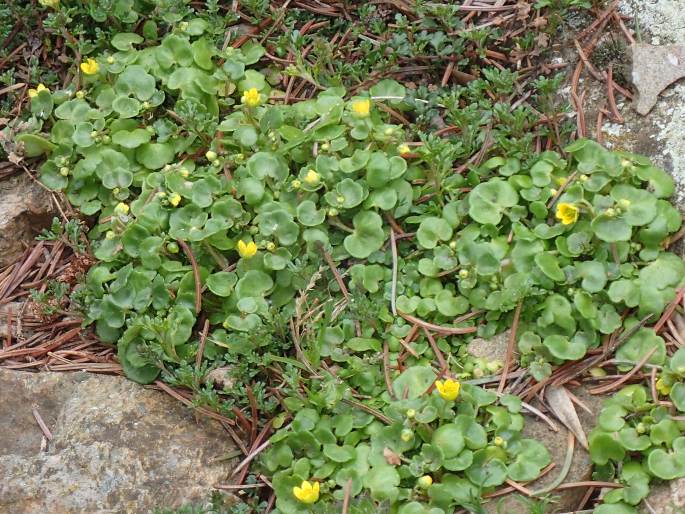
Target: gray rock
{"x":492,"y":349}
{"x":565,"y":500}
{"x":26,"y":209}
{"x":667,"y":498}
{"x":116,"y":448}
{"x":654,"y":69}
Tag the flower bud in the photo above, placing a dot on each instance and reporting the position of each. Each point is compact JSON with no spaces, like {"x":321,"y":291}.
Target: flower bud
{"x":425,"y":481}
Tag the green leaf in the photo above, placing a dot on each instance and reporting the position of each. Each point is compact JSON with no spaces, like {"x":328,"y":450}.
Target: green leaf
{"x":449,"y":438}
{"x":643,"y":341}
{"x":489,"y":200}
{"x":413,"y":382}
{"x":308,"y":215}
{"x":660,"y":182}
{"x":131,"y":139}
{"x":615,"y":508}
{"x":431,"y":230}
{"x":368,"y":235}
{"x":338,"y":453}
{"x":563,"y":348}
{"x":549,"y":265}
{"x":638,"y":206}
{"x":388,"y":90}
{"x":126,"y":107}
{"x":222,"y":283}
{"x":34,"y":145}
{"x":666,"y":465}
{"x":604,"y":448}
{"x":486,"y":470}
{"x":593,"y":274}
{"x":382,"y":481}
{"x":155,"y":155}
{"x":611,"y":229}
{"x":124,"y":41}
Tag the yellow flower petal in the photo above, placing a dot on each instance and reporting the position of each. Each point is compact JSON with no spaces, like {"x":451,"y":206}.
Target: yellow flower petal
{"x":361,"y":108}
{"x":312,"y":177}
{"x":448,"y":389}
{"x":251,"y":97}
{"x":90,"y":67}
{"x":247,"y":250}
{"x":175,"y":199}
{"x":34,"y":92}
{"x":121,"y":208}
{"x":307,"y":492}
{"x":567,"y":213}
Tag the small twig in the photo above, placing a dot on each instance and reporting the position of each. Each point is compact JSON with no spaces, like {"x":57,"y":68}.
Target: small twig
{"x":408,"y":339}
{"x":393,"y":290}
{"x":336,"y":273}
{"x":378,"y":414}
{"x":519,"y":487}
{"x":610,"y":96}
{"x":437,"y":328}
{"x":234,"y":487}
{"x":436,"y":350}
{"x":564,"y":470}
{"x":386,"y":370}
{"x":510,"y":347}
{"x":44,"y":428}
{"x":196,"y":274}
{"x":201,"y":347}
{"x":251,"y":456}
{"x":626,"y":377}
{"x":346,"y":499}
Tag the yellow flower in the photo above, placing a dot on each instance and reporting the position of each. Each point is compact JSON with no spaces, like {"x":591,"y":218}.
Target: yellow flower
{"x":247,"y":250}
{"x":174,"y":199}
{"x":251,"y":97}
{"x":121,"y":209}
{"x":49,"y":3}
{"x":361,"y":108}
{"x":312,"y":177}
{"x":308,"y":492}
{"x":662,"y":387}
{"x":448,"y":389}
{"x":34,"y":92}
{"x":567,"y":213}
{"x":90,"y":67}
{"x":425,"y":481}
{"x":404,"y":149}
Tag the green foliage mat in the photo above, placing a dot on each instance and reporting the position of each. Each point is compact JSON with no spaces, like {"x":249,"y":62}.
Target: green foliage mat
{"x":305,"y":246}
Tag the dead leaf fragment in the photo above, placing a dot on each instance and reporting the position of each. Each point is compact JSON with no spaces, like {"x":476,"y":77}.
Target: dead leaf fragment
{"x":391,"y":457}
{"x":560,"y":402}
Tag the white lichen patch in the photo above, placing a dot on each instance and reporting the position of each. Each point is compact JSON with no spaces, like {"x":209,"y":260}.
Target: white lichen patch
{"x":661,"y":22}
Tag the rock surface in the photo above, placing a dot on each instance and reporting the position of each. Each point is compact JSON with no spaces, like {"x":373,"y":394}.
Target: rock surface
{"x":26,"y":209}
{"x":654,"y":69}
{"x":667,"y":498}
{"x":566,"y":500}
{"x":116,"y":447}
{"x":493,"y":349}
